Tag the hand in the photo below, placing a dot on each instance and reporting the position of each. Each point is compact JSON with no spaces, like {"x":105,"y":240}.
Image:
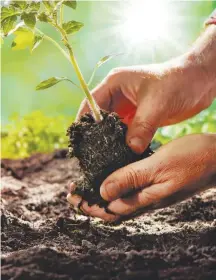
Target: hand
{"x":151,"y":96}
{"x":177,"y":170}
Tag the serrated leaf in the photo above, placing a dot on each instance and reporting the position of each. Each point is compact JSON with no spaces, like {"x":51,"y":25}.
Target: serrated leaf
{"x":71,"y":4}
{"x":24,"y":39}
{"x":8,"y":23}
{"x":72,"y":26}
{"x":44,"y":17}
{"x":37,"y":40}
{"x":34,"y":6}
{"x":29,"y":19}
{"x":7,"y":12}
{"x":20,"y":4}
{"x":50,"y":82}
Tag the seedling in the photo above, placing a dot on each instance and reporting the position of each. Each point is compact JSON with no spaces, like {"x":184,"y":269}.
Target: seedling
{"x":97,"y":140}
{"x":21,"y":18}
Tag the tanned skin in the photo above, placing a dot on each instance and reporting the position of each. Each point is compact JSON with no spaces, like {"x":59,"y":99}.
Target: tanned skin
{"x":148,"y":97}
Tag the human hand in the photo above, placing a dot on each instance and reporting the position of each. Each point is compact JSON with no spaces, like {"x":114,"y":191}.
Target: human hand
{"x":177,"y":170}
{"x":151,"y":96}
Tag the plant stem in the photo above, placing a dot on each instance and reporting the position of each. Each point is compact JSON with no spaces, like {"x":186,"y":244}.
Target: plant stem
{"x":93,"y":105}
{"x":55,"y":43}
{"x":92,"y":76}
{"x":61,"y":15}
{"x":72,"y":83}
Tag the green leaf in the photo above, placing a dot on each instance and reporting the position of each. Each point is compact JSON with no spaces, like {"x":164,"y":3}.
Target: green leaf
{"x":29,"y":19}
{"x":1,"y":38}
{"x":37,"y":40}
{"x":72,"y":26}
{"x":48,"y":5}
{"x":53,"y":81}
{"x":71,"y":4}
{"x":8,"y":18}
{"x":105,"y":59}
{"x":34,"y":6}
{"x":50,"y":82}
{"x":44,"y":17}
{"x":20,"y":4}
{"x":24,"y":39}
{"x":20,"y":24}
{"x":7,"y":12}
{"x":8,"y":23}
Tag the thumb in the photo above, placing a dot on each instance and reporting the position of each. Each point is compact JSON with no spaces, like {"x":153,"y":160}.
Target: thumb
{"x":131,"y":177}
{"x":142,"y":129}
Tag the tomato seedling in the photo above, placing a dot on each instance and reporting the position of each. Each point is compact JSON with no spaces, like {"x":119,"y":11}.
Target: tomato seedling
{"x":21,"y":18}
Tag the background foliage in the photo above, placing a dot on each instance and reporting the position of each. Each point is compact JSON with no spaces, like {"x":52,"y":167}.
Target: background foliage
{"x":36,"y":121}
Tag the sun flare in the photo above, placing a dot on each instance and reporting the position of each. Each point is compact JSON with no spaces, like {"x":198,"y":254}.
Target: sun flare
{"x":144,"y":21}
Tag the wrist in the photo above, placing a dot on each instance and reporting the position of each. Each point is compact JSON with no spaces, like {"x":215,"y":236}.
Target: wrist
{"x":202,"y":58}
{"x":194,"y":76}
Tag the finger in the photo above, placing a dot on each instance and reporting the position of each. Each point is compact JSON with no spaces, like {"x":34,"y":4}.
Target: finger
{"x":110,"y":97}
{"x":129,"y":178}
{"x":71,"y":187}
{"x":94,"y":210}
{"x":142,"y":128}
{"x":148,"y":196}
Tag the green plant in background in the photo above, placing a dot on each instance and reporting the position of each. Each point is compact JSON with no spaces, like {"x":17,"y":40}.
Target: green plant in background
{"x":34,"y":133}
{"x":39,"y":133}
{"x":29,"y":13}
{"x":202,"y":123}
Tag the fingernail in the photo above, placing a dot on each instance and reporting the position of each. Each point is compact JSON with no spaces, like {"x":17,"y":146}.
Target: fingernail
{"x":106,"y":190}
{"x":136,"y":144}
{"x":72,"y":187}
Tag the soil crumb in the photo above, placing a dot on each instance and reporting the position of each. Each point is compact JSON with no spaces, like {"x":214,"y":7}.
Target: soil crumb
{"x":42,"y":238}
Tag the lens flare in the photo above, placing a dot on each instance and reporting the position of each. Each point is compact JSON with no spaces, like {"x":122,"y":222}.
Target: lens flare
{"x":144,"y":21}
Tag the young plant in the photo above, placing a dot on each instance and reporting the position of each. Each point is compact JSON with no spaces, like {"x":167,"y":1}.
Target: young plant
{"x":97,"y":140}
{"x":21,"y":18}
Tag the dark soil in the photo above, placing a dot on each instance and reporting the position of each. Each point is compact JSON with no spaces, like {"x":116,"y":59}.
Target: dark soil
{"x":101,"y":149}
{"x":42,"y":238}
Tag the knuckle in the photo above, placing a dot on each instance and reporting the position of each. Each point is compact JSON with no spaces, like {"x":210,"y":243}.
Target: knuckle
{"x":115,"y":72}
{"x":84,"y":102}
{"x":131,"y":209}
{"x":145,"y":126}
{"x":148,"y":198}
{"x":132,"y":177}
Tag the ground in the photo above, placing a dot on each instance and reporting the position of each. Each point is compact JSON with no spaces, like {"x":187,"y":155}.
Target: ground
{"x":42,"y":238}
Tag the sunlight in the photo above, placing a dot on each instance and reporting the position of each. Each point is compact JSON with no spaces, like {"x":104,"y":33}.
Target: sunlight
{"x":144,"y":21}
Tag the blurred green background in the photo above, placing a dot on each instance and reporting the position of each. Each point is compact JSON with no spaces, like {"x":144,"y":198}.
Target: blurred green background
{"x":35,"y":121}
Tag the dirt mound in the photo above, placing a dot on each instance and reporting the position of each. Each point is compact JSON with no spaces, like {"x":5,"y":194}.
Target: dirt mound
{"x":43,"y":239}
